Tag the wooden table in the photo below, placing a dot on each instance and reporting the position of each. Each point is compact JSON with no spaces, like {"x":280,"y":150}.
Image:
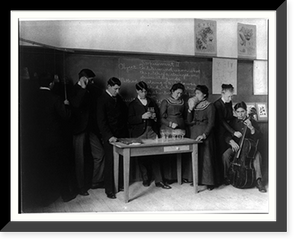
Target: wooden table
{"x":154,"y":147}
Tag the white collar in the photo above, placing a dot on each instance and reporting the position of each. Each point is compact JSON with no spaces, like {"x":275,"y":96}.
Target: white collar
{"x":109,"y":93}
{"x":224,"y":100}
{"x":45,"y":88}
{"x":143,"y":101}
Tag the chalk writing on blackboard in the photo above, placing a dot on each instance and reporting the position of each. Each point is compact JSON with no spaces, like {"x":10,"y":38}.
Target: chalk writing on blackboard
{"x":159,"y":75}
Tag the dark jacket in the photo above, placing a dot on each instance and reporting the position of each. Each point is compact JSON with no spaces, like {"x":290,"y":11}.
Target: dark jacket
{"x":224,"y":115}
{"x":137,"y":125}
{"x":238,"y":125}
{"x":50,"y":117}
{"x":83,"y":102}
{"x":112,"y":117}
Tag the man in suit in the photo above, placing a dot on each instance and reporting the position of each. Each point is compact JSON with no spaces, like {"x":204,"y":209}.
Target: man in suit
{"x":45,"y":175}
{"x":143,"y":123}
{"x":112,"y":123}
{"x":85,"y":131}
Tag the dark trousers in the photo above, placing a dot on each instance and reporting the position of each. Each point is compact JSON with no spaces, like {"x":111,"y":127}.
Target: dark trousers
{"x":98,"y":155}
{"x":109,"y":169}
{"x":80,"y":142}
{"x":150,"y":165}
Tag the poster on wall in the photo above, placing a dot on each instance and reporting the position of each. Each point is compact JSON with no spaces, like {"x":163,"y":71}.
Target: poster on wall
{"x":262,"y":111}
{"x":260,"y":77}
{"x":246,"y":41}
{"x":205,"y":37}
{"x":224,"y":72}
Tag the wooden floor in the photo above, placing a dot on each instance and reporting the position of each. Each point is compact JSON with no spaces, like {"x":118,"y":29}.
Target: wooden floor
{"x":179,"y":198}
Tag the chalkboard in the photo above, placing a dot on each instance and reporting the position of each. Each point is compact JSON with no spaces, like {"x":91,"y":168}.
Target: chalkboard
{"x":104,"y":67}
{"x":160,"y":75}
{"x":159,"y":72}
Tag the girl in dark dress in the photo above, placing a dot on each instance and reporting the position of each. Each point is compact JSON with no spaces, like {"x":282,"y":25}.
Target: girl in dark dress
{"x":201,"y":118}
{"x":172,"y":114}
{"x":224,"y":115}
{"x":172,"y":109}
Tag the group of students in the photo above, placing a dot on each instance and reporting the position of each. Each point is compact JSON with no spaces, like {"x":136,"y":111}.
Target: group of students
{"x":98,"y":118}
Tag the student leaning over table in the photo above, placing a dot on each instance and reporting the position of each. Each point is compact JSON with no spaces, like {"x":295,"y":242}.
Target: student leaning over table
{"x":112,"y":114}
{"x":201,"y":118}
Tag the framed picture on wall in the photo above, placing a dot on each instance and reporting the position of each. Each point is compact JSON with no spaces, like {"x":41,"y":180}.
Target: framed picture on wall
{"x":262,"y":112}
{"x":205,"y":37}
{"x":246,"y":41}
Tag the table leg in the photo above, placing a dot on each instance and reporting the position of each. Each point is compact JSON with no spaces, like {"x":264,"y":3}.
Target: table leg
{"x":195,"y":166}
{"x":126,"y":173}
{"x":116,"y":169}
{"x":179,"y":165}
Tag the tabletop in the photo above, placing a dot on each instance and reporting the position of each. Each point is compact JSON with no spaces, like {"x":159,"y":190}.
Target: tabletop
{"x":134,"y":143}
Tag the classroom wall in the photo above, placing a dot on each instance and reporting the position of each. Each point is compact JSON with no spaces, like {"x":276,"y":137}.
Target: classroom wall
{"x":105,"y":65}
{"x":168,"y":38}
{"x":165,"y":36}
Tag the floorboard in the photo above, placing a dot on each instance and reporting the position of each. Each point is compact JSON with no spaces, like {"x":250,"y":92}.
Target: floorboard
{"x":153,"y":199}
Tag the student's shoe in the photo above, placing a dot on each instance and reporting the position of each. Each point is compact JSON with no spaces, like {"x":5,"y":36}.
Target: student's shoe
{"x":163,"y":185}
{"x":146,"y":183}
{"x":111,"y":195}
{"x":260,"y":186}
{"x":226,"y":181}
{"x":186,"y":181}
{"x":83,"y":192}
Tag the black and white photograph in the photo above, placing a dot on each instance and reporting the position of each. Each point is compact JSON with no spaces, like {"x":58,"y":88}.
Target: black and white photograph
{"x":120,"y":119}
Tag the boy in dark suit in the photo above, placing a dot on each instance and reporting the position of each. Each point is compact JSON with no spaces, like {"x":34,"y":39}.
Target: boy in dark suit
{"x":223,"y":117}
{"x":143,"y":122}
{"x":85,"y":131}
{"x":112,"y":123}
